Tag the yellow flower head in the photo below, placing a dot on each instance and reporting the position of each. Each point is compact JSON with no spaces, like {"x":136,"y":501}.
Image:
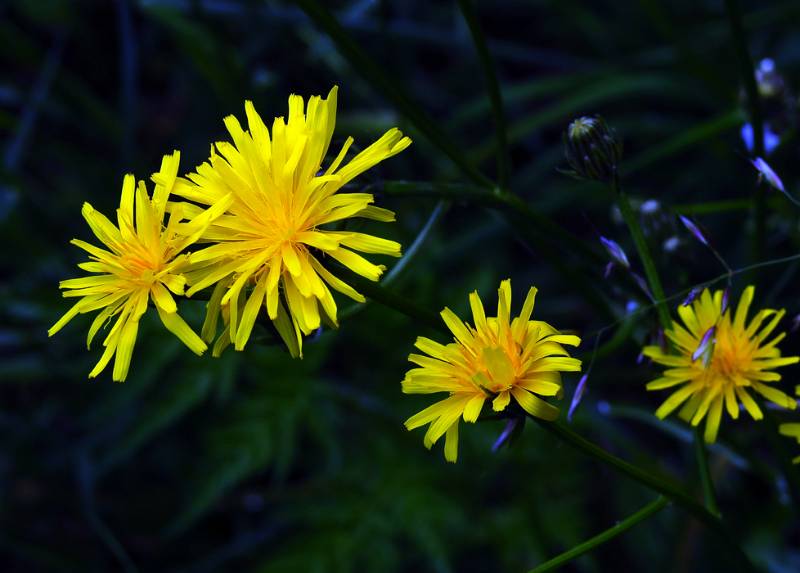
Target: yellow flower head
{"x":792,"y":430}
{"x":496,"y":359}
{"x":142,"y":263}
{"x":718,"y":359}
{"x":272,"y":237}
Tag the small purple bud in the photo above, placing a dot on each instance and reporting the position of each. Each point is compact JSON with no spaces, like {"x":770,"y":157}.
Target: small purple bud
{"x":640,"y":358}
{"x":650,"y":207}
{"x":576,"y":397}
{"x":796,"y":323}
{"x":672,"y":244}
{"x":693,"y":229}
{"x":705,"y":343}
{"x":766,"y":172}
{"x":771,"y":139}
{"x":616,"y":252}
{"x":690,"y":297}
{"x":724,"y":305}
{"x":505,"y":434}
{"x":631,"y":307}
{"x":608,"y":269}
{"x":604,"y":407}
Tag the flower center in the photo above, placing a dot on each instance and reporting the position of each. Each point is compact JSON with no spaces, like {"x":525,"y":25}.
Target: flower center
{"x":732,"y":355}
{"x":498,"y":368}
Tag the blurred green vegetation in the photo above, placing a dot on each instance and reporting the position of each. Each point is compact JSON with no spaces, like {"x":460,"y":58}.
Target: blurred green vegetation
{"x":257,"y":462}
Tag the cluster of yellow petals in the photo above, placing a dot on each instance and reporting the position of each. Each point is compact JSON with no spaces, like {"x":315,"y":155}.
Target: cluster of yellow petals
{"x":720,"y":367}
{"x":272,"y":236}
{"x":261,"y":206}
{"x":142,"y":262}
{"x":496,"y":359}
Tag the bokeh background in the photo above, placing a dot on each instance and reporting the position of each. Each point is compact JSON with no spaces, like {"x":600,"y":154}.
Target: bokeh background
{"x":257,"y":462}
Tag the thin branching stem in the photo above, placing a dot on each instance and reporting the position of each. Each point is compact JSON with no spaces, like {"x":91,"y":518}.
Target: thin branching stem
{"x":655,"y":483}
{"x":617,"y":529}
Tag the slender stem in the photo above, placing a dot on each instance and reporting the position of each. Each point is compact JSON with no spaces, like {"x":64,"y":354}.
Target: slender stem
{"x":705,"y":474}
{"x":748,"y":77}
{"x":391,"y":299}
{"x":538,"y":230}
{"x":493,"y":87}
{"x":655,"y":483}
{"x":650,"y":270}
{"x":650,"y":509}
{"x":507,"y":203}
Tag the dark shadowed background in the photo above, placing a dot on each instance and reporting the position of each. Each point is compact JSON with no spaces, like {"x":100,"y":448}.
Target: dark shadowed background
{"x":257,"y":462}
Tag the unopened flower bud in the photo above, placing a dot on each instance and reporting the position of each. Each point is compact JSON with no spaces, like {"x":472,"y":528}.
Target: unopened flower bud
{"x":592,"y":148}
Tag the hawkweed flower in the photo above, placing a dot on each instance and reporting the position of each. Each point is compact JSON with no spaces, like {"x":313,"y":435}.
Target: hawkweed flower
{"x":142,"y":263}
{"x":719,"y":359}
{"x":792,"y":430}
{"x":269,"y":245}
{"x":495,"y":359}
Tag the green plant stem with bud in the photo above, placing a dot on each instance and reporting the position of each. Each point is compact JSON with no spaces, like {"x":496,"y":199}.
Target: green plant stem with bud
{"x":619,"y":528}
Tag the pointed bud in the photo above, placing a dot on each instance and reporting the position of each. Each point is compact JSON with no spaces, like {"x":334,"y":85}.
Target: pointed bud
{"x":577,"y":396}
{"x":504,"y":436}
{"x":690,"y":297}
{"x":616,"y":252}
{"x":766,"y":173}
{"x":592,"y":148}
{"x":705,"y":348}
{"x":725,"y":296}
{"x":693,"y":229}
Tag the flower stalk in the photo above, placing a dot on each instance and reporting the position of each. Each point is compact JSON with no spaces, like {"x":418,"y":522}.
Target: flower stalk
{"x":618,"y":529}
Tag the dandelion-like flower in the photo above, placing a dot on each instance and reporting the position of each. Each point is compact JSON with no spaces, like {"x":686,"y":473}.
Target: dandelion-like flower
{"x":142,"y":262}
{"x":272,"y":237}
{"x":496,"y":359}
{"x":719,"y":359}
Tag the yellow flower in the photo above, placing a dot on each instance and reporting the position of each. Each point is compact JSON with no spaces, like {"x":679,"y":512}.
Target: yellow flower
{"x":272,"y":237}
{"x":142,"y":263}
{"x":718,"y":359}
{"x":496,"y":359}
{"x":792,"y":430}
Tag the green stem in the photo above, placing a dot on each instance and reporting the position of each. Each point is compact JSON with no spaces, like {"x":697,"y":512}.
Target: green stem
{"x":644,"y":254}
{"x":655,"y":483}
{"x":705,"y":474}
{"x":651,"y":508}
{"x":391,"y":299}
{"x":543,"y":226}
{"x":390,"y":89}
{"x":747,"y":72}
{"x":538,"y":230}
{"x":493,"y":87}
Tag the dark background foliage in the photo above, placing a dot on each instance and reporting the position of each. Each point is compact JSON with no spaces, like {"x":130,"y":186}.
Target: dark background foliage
{"x":256,"y":462}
